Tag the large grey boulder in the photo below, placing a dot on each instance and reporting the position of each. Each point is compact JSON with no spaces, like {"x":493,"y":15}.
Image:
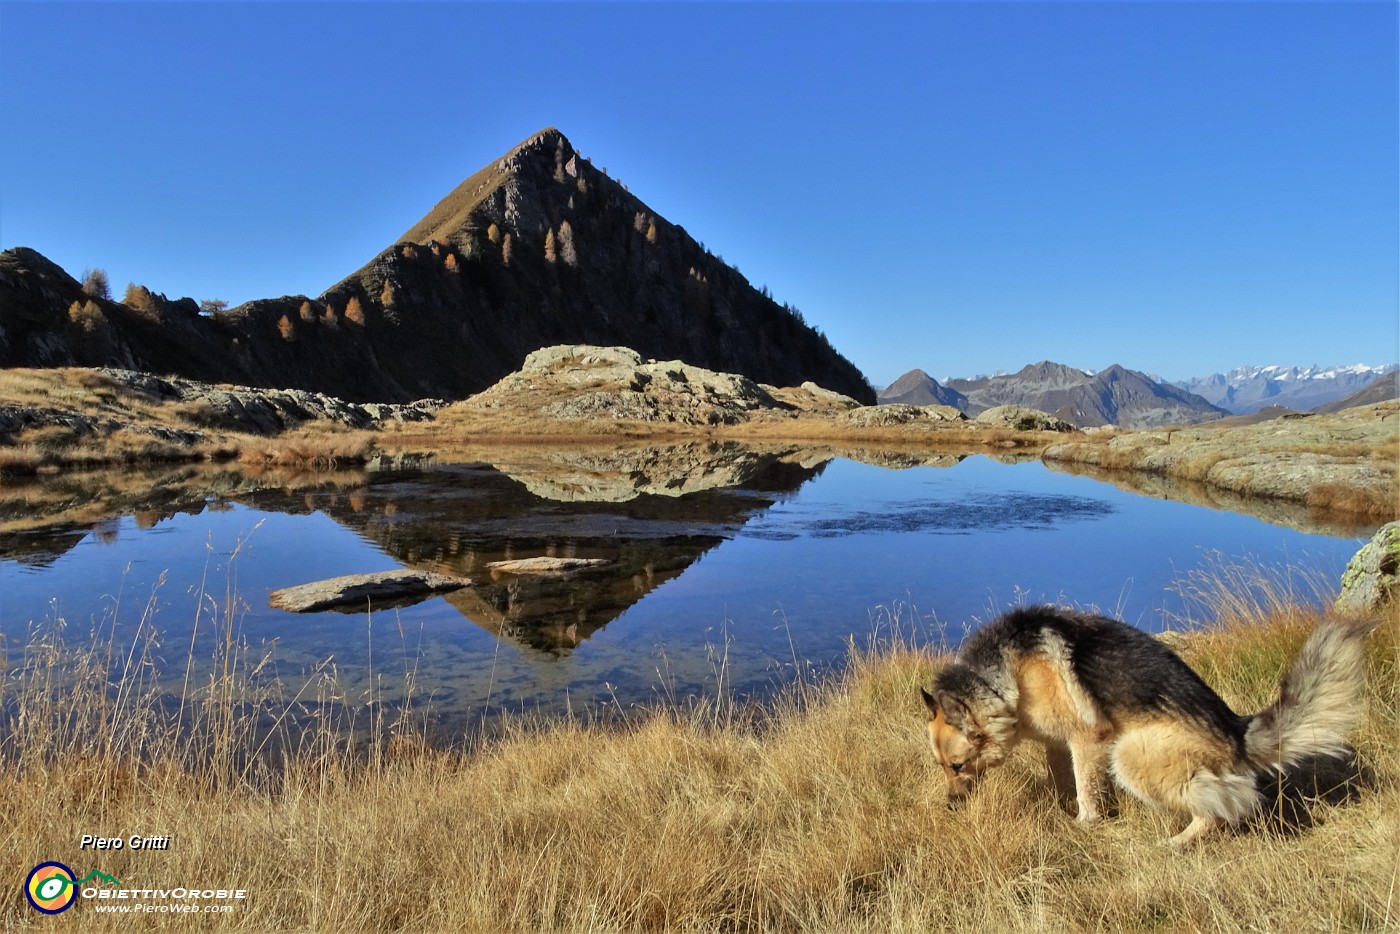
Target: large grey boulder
{"x":1021,"y":418}
{"x":1372,"y":576}
{"x":897,"y":413}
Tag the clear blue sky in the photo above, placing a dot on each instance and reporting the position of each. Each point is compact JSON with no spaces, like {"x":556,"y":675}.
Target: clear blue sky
{"x":1180,"y":187}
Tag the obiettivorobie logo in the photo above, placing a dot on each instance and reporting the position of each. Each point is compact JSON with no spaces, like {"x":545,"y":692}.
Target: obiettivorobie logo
{"x":51,"y":887}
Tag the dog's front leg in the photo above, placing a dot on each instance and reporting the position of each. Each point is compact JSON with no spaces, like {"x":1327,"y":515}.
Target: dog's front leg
{"x":1090,"y":755}
{"x":1060,"y":764}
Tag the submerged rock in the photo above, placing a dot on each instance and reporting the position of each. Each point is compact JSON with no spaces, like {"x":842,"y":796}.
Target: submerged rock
{"x":545,"y":565}
{"x":1372,"y":576}
{"x":356,"y":591}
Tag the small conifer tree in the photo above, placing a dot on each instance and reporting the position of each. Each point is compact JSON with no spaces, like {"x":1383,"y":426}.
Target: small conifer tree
{"x":353,"y":312}
{"x":95,"y":283}
{"x":140,"y":298}
{"x":549,"y":246}
{"x":386,"y":297}
{"x":286,"y":329}
{"x":651,"y":232}
{"x":566,"y":244}
{"x":493,"y":233}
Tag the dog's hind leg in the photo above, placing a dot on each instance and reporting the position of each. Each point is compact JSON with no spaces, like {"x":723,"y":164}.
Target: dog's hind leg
{"x":1173,"y":765}
{"x":1200,"y":825}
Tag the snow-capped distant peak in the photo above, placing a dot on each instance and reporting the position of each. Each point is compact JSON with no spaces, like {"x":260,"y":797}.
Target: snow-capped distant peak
{"x":1247,"y":388}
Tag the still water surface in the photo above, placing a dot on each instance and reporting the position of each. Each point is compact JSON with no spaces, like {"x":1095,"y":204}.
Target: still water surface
{"x":745,"y":584}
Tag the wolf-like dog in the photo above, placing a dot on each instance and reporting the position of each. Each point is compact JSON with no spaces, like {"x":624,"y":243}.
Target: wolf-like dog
{"x":1108,"y":699}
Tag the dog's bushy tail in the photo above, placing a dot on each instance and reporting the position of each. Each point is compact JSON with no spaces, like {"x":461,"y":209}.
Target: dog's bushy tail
{"x":1319,"y":702}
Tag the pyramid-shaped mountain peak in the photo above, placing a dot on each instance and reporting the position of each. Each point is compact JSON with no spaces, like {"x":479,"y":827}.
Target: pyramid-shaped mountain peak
{"x":546,"y":155}
{"x":536,"y":248}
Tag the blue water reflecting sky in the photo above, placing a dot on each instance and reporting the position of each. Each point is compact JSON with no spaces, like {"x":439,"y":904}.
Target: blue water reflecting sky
{"x":941,"y":548}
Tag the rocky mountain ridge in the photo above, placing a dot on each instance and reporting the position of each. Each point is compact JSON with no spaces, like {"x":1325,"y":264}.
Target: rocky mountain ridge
{"x":1115,"y":396}
{"x":538,"y":248}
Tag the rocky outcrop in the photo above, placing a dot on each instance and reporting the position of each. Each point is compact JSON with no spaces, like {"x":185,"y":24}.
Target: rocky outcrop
{"x":537,"y":249}
{"x":581,"y":382}
{"x":111,"y":400}
{"x":1338,"y":463}
{"x":1021,"y":418}
{"x":267,"y":411}
{"x":898,"y":414}
{"x":1372,"y":577}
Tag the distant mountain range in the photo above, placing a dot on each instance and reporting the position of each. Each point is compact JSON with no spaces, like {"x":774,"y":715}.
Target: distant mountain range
{"x":1115,"y":396}
{"x":1249,"y":388}
{"x":537,"y":248}
{"x":1132,"y":399}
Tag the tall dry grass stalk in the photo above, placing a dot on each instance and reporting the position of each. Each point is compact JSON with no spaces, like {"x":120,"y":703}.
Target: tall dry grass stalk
{"x":822,"y":811}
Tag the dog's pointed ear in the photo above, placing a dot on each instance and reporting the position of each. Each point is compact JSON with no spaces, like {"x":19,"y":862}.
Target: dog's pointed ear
{"x":930,"y":702}
{"x":955,"y":711}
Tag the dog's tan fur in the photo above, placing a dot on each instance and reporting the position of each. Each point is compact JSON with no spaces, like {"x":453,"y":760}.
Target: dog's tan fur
{"x":1107,"y":699}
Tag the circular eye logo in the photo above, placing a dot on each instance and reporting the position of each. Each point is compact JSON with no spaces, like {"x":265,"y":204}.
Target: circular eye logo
{"x":50,"y":888}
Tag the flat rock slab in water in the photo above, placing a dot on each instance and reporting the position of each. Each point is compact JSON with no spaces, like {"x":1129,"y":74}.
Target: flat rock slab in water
{"x":354,"y":591}
{"x":544,"y":565}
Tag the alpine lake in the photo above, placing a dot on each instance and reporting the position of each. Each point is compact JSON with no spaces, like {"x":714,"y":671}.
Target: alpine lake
{"x":725,"y":570}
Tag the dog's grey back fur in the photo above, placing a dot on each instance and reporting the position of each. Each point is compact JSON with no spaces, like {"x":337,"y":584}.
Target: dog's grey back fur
{"x":1121,"y":667}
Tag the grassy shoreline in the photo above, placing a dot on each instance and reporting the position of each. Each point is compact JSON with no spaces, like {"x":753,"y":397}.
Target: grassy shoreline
{"x":821,"y":811}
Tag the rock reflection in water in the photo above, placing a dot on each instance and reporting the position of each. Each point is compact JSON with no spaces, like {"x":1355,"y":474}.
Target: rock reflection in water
{"x":647,"y":513}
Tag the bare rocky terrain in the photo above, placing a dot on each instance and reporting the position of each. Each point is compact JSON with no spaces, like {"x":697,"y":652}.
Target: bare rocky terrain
{"x":1344,"y":462}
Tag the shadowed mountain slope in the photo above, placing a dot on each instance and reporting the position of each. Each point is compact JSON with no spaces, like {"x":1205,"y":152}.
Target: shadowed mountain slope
{"x":1381,"y":389}
{"x":538,"y":248}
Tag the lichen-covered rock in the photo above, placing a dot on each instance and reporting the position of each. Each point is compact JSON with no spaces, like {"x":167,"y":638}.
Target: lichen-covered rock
{"x":582,"y":382}
{"x":898,"y":413}
{"x":1021,"y":418}
{"x":1372,"y":576}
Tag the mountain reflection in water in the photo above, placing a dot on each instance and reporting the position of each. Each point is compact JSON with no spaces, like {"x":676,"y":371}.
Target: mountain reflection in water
{"x":766,"y":558}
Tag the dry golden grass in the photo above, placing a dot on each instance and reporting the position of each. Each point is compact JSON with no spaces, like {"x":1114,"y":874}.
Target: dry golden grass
{"x":1331,"y":498}
{"x":312,"y":448}
{"x":460,"y":426}
{"x":821,"y":812}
